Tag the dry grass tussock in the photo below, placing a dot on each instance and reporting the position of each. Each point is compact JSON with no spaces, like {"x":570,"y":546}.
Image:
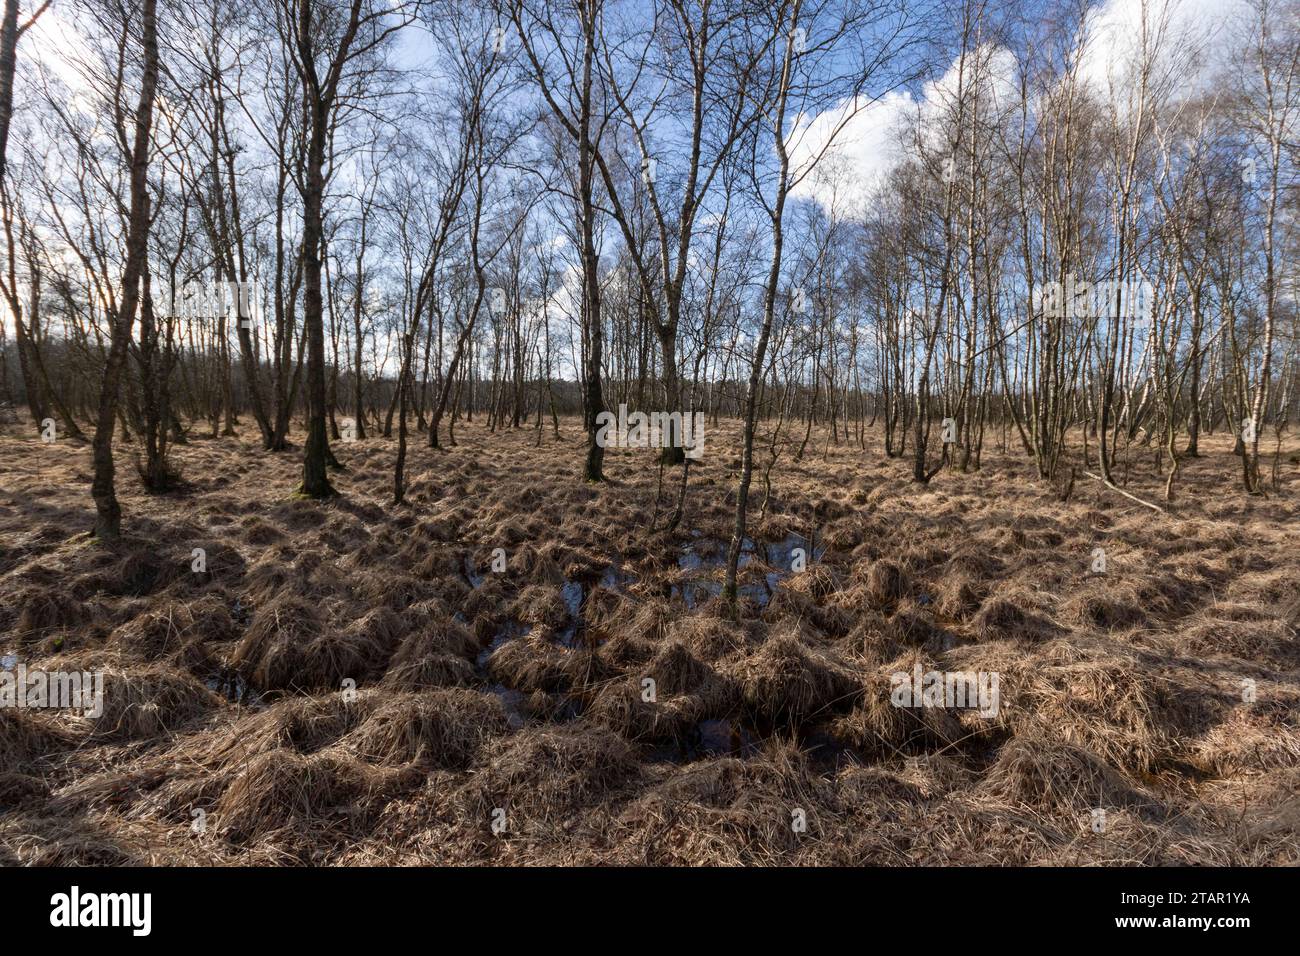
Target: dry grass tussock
{"x":349,"y":683}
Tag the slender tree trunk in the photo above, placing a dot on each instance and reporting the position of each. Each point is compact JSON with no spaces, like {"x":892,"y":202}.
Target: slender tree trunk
{"x":108,"y":520}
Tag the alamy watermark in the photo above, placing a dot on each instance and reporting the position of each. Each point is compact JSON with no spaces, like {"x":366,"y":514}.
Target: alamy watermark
{"x":651,"y":430}
{"x":77,"y":909}
{"x":202,"y":299}
{"x":952,"y":689}
{"x":1079,"y":299}
{"x":54,"y":690}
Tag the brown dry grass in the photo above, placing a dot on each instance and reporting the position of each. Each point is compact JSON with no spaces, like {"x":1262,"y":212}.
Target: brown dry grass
{"x":229,"y":693}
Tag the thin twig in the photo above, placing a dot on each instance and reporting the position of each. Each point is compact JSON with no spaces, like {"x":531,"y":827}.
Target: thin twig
{"x":1112,"y":486}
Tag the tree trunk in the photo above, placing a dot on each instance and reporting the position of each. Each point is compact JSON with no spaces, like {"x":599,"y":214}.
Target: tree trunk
{"x":108,"y":520}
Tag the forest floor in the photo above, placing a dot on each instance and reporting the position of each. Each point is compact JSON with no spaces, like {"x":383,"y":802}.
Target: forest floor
{"x":501,"y":717}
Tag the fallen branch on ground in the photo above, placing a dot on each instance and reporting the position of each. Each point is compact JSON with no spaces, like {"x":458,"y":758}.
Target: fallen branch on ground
{"x":1131,"y":497}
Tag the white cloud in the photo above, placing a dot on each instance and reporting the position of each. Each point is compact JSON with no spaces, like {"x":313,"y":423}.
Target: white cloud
{"x":867,"y":146}
{"x":872,"y":136}
{"x":56,"y":43}
{"x":1191,"y":40}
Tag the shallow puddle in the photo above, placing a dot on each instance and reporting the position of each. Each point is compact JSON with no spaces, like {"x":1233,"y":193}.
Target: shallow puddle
{"x":780,"y":556}
{"x":512,"y":702}
{"x":576,"y":591}
{"x":703,"y":558}
{"x":721,"y":738}
{"x":511,"y":630}
{"x":471,"y":573}
{"x":235,"y":689}
{"x":574,"y":594}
